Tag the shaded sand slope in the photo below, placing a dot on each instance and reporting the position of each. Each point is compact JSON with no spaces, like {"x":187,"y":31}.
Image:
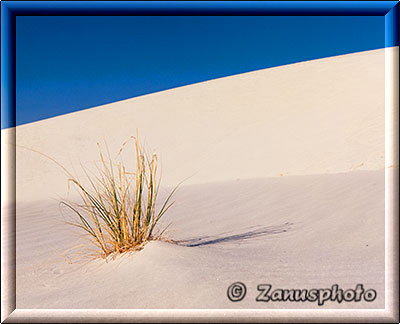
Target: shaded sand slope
{"x":315,"y":117}
{"x":290,"y":232}
{"x":286,"y":187}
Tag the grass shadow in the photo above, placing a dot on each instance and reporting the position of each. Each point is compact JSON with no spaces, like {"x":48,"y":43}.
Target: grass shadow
{"x":250,"y":234}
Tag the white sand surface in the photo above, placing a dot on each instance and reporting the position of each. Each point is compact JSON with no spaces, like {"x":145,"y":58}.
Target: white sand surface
{"x":285,"y":172}
{"x":290,"y":232}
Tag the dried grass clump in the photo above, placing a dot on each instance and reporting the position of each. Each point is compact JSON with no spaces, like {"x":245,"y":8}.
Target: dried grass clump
{"x":118,"y":208}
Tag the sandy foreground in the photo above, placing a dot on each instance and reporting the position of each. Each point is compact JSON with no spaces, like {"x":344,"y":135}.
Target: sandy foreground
{"x":285,"y":185}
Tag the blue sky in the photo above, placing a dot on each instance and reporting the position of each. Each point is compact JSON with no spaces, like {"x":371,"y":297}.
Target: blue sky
{"x":70,"y":63}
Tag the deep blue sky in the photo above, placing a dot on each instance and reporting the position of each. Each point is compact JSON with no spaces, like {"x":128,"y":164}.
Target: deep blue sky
{"x":67,"y":63}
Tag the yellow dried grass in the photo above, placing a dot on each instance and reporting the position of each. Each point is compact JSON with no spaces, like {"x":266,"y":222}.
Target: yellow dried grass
{"x":118,"y":208}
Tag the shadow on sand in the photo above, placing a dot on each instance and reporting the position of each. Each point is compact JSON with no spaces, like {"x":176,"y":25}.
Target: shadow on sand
{"x":222,"y":238}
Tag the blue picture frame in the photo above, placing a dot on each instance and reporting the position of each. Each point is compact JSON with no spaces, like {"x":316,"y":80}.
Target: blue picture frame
{"x":11,"y":9}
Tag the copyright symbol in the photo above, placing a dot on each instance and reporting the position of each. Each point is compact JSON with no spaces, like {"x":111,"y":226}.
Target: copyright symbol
{"x":236,"y":291}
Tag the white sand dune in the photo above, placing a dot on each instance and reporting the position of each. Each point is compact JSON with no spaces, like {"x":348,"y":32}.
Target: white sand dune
{"x":313,"y":117}
{"x":286,"y":186}
{"x":293,"y":232}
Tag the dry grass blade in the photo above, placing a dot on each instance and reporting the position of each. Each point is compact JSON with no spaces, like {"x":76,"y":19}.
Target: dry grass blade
{"x":118,"y":209}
